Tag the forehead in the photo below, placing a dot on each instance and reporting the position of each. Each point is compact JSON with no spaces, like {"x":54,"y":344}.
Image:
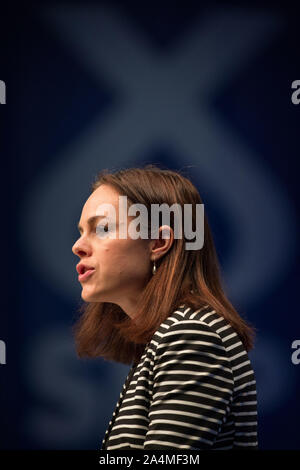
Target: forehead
{"x":104,"y":194}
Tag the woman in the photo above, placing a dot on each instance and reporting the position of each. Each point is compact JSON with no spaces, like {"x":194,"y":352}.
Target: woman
{"x":159,"y":306}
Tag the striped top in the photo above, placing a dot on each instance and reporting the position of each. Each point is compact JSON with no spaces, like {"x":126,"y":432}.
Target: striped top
{"x":193,"y":388}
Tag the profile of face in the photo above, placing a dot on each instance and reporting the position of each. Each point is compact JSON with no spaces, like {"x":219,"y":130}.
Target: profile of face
{"x":122,"y":266}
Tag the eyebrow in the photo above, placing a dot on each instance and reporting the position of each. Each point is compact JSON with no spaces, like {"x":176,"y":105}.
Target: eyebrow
{"x":90,"y":221}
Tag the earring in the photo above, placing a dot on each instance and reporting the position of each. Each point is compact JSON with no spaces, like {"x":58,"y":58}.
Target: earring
{"x":154,"y":267}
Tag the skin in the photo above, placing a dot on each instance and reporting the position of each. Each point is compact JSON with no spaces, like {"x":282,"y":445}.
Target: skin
{"x":122,"y":266}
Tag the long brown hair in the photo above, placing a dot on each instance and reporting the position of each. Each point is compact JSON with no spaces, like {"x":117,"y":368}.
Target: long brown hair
{"x":103,"y":329}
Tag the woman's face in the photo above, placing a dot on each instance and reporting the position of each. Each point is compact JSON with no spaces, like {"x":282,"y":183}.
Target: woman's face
{"x":122,"y":267}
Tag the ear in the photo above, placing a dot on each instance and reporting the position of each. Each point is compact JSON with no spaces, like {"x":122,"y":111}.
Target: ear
{"x":160,"y":246}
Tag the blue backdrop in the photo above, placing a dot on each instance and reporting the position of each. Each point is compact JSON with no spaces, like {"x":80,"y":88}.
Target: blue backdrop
{"x":205,"y":88}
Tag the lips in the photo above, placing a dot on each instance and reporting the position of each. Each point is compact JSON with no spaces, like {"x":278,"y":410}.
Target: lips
{"x":82,"y":268}
{"x":86,"y":274}
{"x":84,"y":271}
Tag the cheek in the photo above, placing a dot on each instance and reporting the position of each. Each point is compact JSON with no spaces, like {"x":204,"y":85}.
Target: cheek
{"x":113,"y":257}
{"x":136,"y":259}
{"x":125,"y":258}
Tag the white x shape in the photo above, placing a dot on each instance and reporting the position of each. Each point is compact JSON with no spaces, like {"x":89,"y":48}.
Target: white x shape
{"x":167,"y":99}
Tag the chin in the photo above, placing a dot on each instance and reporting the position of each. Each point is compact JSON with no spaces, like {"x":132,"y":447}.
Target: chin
{"x":87,"y":297}
{"x":91,"y":297}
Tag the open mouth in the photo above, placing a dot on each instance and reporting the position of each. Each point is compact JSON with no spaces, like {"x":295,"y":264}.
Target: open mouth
{"x":85,"y":273}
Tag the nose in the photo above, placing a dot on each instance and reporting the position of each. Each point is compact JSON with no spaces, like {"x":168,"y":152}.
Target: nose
{"x":79,"y":249}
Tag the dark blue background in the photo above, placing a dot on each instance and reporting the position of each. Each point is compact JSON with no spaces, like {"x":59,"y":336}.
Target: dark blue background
{"x":50,"y":398}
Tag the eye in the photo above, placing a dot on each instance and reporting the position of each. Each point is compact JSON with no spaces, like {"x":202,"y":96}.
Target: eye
{"x":102,"y":228}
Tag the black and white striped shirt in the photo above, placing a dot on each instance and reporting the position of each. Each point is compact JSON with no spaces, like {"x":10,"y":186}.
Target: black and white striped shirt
{"x":193,"y":388}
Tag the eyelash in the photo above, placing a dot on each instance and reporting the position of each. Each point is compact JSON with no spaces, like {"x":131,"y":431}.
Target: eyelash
{"x":106,"y":225}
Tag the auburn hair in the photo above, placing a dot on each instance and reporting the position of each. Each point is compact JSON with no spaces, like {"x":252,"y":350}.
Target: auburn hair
{"x":103,"y":329}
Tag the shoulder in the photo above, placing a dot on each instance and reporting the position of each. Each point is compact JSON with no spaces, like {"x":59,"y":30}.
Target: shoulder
{"x":195,"y":328}
{"x":189,"y":343}
{"x":199,"y":328}
{"x":185,"y":320}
